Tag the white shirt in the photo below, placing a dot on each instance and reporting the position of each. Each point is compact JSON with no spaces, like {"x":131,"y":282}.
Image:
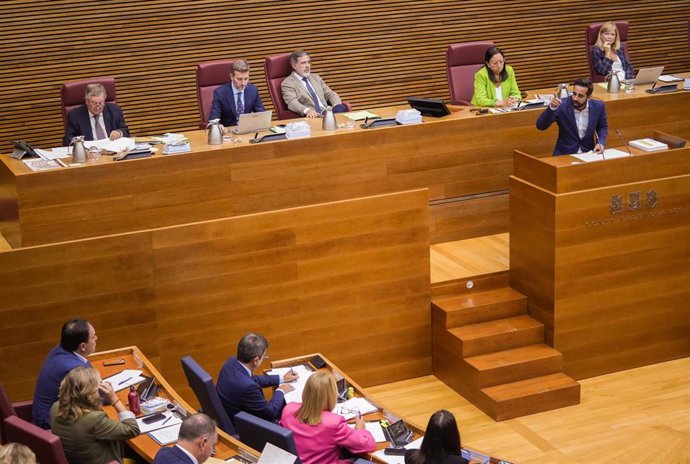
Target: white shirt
{"x":582,"y":121}
{"x":617,"y":67}
{"x":101,"y":121}
{"x":499,"y":93}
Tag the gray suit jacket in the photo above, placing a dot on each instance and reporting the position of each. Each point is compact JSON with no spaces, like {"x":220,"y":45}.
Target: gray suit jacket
{"x":298,"y":99}
{"x":94,"y":438}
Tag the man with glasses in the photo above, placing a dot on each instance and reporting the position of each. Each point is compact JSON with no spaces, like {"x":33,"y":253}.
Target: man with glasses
{"x":240,"y":390}
{"x":96,"y":119}
{"x":196,"y":442}
{"x":582,"y":124}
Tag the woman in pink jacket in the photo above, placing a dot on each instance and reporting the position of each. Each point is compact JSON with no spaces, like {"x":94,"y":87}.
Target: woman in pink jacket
{"x":319,"y":433}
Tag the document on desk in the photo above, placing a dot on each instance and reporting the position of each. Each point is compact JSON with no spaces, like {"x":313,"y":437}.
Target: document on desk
{"x":374,"y":427}
{"x":166,"y":435}
{"x":303,"y":372}
{"x":271,"y":454}
{"x":124,"y":379}
{"x":609,"y":153}
{"x":169,"y":420}
{"x":115,"y":146}
{"x":398,"y":459}
{"x":361,"y":115}
{"x":357,"y":405}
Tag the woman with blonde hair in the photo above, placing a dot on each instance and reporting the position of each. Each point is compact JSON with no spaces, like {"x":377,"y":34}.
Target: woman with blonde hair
{"x":319,"y":433}
{"x":14,"y":453}
{"x":608,"y":54}
{"x":88,"y":435}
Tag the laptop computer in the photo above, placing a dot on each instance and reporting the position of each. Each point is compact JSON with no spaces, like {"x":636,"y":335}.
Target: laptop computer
{"x":253,"y":122}
{"x":648,"y":75}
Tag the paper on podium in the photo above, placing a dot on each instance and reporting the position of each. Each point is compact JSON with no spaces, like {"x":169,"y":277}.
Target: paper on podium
{"x":166,"y":435}
{"x":116,"y":146}
{"x":374,"y":427}
{"x":361,"y":115}
{"x":304,"y":373}
{"x":609,"y":153}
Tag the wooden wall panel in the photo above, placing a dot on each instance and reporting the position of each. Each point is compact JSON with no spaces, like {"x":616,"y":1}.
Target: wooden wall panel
{"x":372,"y":53}
{"x":349,"y":279}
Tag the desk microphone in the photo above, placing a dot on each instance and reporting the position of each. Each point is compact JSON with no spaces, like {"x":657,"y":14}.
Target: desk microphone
{"x":620,"y":136}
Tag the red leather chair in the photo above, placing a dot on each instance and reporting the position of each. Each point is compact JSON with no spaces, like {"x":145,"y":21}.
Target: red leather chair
{"x":72,"y":93}
{"x":463,"y":60}
{"x":591,"y":35}
{"x":209,"y":76}
{"x":22,"y":410}
{"x":277,"y":68}
{"x":45,"y":445}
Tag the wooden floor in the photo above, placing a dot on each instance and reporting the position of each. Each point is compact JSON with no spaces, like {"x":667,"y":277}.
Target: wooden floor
{"x":636,"y":416}
{"x":466,"y":258}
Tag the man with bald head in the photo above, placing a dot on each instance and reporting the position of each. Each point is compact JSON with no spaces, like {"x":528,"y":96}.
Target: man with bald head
{"x":196,"y":442}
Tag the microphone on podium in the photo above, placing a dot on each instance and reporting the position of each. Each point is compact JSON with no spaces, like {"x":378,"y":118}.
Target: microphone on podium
{"x":620,"y":136}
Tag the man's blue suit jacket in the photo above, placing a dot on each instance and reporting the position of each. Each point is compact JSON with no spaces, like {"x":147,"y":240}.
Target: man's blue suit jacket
{"x":569,"y":141}
{"x":171,"y":455}
{"x":55,"y":367}
{"x":240,"y":391}
{"x":79,"y":122}
{"x":224,"y":108}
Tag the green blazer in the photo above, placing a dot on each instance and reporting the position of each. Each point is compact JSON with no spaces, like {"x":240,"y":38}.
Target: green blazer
{"x":94,"y":438}
{"x":485,"y":90}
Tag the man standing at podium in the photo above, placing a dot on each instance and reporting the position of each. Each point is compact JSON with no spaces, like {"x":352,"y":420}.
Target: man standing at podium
{"x":236,"y":97}
{"x":582,"y":124}
{"x":305,"y":92}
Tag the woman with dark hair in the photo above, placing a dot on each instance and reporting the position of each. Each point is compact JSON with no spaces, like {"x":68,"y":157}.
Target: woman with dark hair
{"x":87,"y":434}
{"x":441,"y":443}
{"x":494,"y":83}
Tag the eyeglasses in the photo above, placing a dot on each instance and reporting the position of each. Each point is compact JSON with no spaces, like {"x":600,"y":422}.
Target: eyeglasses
{"x":92,"y":103}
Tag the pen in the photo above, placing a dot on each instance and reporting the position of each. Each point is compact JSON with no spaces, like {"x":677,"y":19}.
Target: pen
{"x":166,"y":420}
{"x":366,"y":120}
{"x":124,"y":381}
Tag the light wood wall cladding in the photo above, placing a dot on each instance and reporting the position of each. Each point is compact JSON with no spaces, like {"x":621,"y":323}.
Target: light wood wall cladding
{"x":372,"y":53}
{"x":612,"y":289}
{"x":349,"y":279}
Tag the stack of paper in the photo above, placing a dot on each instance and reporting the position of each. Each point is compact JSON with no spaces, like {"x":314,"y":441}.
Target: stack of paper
{"x":648,"y":145}
{"x":297,"y":130}
{"x":354,"y":406}
{"x":361,"y":115}
{"x":170,"y":419}
{"x":410,"y":116}
{"x":124,"y":379}
{"x":375,"y":429}
{"x":303,"y":372}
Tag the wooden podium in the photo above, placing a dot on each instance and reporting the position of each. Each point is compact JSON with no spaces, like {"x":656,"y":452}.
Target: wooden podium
{"x":602,"y":250}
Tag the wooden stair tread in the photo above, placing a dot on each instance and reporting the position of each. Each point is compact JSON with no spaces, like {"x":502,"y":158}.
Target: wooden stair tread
{"x":530,"y":387}
{"x":495,"y":327}
{"x":469,"y":300}
{"x":512,"y":357}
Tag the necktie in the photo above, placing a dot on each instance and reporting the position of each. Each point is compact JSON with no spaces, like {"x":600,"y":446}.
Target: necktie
{"x":100,"y":134}
{"x":313,"y":95}
{"x":240,"y":105}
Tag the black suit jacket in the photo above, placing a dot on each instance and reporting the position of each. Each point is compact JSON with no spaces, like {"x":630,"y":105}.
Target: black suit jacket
{"x":79,"y":123}
{"x":171,"y":455}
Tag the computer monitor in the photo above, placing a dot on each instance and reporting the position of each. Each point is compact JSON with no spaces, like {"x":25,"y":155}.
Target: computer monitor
{"x":429,"y":106}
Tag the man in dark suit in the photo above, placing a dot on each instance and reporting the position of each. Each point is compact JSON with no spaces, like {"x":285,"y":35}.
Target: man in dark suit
{"x":77,"y":341}
{"x":582,"y":124}
{"x":240,"y":390}
{"x":236,"y":97}
{"x":195,"y":443}
{"x":96,"y":119}
{"x":304,"y":92}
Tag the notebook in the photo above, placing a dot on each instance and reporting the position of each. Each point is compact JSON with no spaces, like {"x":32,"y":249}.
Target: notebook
{"x":648,"y":75}
{"x":253,"y":122}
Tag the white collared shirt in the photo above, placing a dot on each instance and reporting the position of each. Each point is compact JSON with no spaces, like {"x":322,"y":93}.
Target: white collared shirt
{"x":582,"y":121}
{"x":499,"y":93}
{"x":81,"y":358}
{"x":101,"y":120}
{"x":280,"y":377}
{"x":321,"y":104}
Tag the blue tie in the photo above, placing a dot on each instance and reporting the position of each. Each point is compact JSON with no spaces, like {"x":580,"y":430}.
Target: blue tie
{"x":240,"y":105}
{"x":313,"y":95}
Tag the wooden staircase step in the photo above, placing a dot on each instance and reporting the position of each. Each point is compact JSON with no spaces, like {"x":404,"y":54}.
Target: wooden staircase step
{"x":476,"y":307}
{"x":515,"y":364}
{"x":533,"y":395}
{"x":498,"y":335}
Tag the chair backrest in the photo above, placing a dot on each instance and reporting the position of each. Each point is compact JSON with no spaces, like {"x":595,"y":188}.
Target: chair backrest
{"x":277,"y":68}
{"x":45,"y":445}
{"x":255,"y":432}
{"x":591,"y":35}
{"x":463,"y":60}
{"x":202,"y":384}
{"x":6,"y":410}
{"x":209,"y":76}
{"x":72,"y":93}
